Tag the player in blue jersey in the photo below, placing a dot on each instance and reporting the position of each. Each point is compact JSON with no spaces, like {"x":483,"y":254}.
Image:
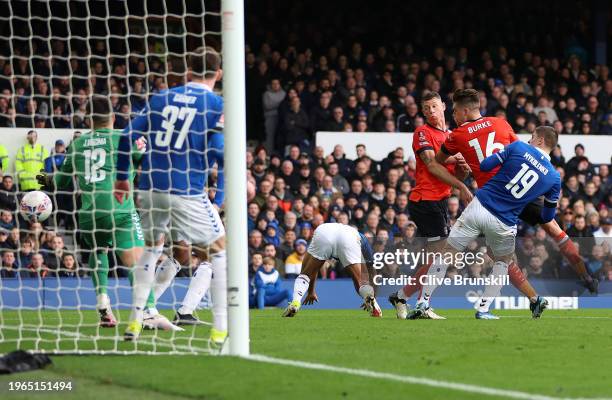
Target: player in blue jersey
{"x":525,"y":174}
{"x":182,"y":126}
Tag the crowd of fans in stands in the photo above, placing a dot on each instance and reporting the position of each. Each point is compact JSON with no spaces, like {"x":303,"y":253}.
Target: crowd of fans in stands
{"x":295,"y":91}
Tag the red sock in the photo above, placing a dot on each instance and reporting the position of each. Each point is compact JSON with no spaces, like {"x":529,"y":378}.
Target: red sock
{"x":570,"y":251}
{"x":409,"y":290}
{"x":517,"y":278}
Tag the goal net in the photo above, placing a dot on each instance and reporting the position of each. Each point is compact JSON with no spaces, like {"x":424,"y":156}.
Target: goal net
{"x":55,"y":56}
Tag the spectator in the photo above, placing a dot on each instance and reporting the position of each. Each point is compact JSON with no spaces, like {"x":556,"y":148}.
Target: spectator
{"x":12,"y":242}
{"x":26,"y":252}
{"x":337,"y":122}
{"x":293,"y":263}
{"x":37,"y":267}
{"x":6,"y":220}
{"x":69,"y":267}
{"x":604,"y":233}
{"x":53,"y":258}
{"x":29,"y":161}
{"x":295,"y":127}
{"x":8,"y":194}
{"x":255,"y":242}
{"x":271,"y":100}
{"x":56,"y":160}
{"x":8,"y":269}
{"x":268,"y":290}
{"x":581,"y":233}
{"x":270,"y":252}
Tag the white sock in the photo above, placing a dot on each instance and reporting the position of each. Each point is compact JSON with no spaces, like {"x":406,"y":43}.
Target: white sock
{"x":144,"y":276}
{"x":401,"y":294}
{"x":366,"y":291}
{"x":103,"y":301}
{"x":300,"y":287}
{"x":499,"y":271}
{"x":218,"y":290}
{"x":436,"y":271}
{"x":165,"y":273}
{"x":198,"y":286}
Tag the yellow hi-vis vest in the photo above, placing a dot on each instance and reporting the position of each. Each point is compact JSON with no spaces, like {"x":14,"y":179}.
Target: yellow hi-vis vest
{"x":28,"y":163}
{"x":4,"y":160}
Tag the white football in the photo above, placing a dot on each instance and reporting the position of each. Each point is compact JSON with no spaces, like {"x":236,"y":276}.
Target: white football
{"x":35,"y":206}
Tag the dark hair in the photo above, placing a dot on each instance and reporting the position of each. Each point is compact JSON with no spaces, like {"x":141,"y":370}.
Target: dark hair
{"x":548,"y":134}
{"x":99,"y":108}
{"x":430,"y":96}
{"x":204,"y":61}
{"x":466,"y":98}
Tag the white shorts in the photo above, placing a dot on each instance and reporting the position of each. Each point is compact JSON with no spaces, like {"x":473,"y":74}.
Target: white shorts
{"x":191,"y":219}
{"x":476,"y":220}
{"x":336,"y":241}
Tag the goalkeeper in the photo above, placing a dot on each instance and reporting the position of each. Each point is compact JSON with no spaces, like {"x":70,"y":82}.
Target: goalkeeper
{"x":104,"y":223}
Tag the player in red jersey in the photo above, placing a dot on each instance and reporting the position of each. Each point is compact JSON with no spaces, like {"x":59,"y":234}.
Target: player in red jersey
{"x":428,"y":199}
{"x":476,"y":138}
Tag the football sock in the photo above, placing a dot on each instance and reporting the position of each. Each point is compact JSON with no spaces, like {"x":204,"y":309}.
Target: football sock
{"x":98,"y":261}
{"x":366,"y":291}
{"x":499,"y":271}
{"x":409,"y":290}
{"x":150,"y":300}
{"x":218,"y":290}
{"x":570,"y":252}
{"x":198,"y":286}
{"x":300,"y":286}
{"x":144,"y":276}
{"x":165,"y":273}
{"x":519,"y":281}
{"x":436,"y":272}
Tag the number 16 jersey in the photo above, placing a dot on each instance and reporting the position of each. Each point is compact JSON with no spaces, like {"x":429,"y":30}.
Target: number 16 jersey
{"x":478,"y":139}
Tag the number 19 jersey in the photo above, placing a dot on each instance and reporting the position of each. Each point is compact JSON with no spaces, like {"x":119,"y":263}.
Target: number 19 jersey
{"x":525,"y":174}
{"x":478,"y":139}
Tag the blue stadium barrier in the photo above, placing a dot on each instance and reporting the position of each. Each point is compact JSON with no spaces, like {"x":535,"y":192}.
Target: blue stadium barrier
{"x":73,"y":293}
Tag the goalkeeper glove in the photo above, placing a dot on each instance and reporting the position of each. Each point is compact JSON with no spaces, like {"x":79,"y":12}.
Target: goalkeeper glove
{"x":45,"y":180}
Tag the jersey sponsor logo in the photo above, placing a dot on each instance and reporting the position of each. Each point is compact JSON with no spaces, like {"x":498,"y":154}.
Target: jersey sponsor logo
{"x":477,"y":127}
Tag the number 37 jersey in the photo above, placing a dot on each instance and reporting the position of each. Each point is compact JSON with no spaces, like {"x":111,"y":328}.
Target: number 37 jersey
{"x":476,"y":140}
{"x":184,"y":140}
{"x":525,"y":174}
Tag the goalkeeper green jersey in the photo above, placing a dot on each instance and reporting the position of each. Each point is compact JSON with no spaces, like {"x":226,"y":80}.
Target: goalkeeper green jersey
{"x":92,"y":159}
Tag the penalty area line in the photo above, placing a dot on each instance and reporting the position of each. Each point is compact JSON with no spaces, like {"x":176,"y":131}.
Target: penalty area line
{"x":462,"y":387}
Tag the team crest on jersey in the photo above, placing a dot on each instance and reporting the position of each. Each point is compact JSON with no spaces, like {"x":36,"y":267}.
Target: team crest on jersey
{"x":422,"y":139}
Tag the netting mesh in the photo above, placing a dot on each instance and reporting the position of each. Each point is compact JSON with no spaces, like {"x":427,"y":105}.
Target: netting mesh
{"x":54,"y":56}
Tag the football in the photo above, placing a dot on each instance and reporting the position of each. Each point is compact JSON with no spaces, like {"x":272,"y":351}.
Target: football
{"x":35,"y":206}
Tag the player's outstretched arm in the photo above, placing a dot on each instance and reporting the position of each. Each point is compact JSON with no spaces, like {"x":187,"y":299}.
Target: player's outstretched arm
{"x":440,"y":172}
{"x":132,"y":133}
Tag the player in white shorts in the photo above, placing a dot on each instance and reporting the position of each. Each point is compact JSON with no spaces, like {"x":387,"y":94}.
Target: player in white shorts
{"x":349,"y":247}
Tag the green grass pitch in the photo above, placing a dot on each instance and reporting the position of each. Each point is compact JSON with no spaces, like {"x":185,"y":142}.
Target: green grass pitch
{"x":566,"y":354}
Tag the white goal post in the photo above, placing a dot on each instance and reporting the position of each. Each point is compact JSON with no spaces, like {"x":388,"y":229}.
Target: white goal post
{"x":235,"y":173}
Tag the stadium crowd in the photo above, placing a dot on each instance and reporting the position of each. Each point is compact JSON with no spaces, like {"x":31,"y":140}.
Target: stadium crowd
{"x":296,"y":89}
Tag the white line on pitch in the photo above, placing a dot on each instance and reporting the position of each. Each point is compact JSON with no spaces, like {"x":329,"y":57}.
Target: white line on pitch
{"x":462,"y":387}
